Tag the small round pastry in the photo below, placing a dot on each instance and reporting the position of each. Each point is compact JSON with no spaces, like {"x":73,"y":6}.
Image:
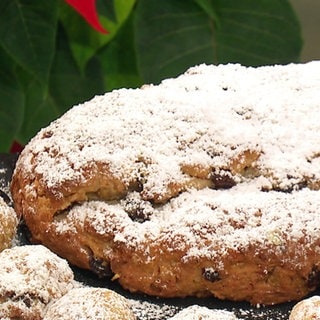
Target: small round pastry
{"x":31,"y":277}
{"x":307,"y":309}
{"x":90,"y":304}
{"x":196,"y":312}
{"x":8,"y":224}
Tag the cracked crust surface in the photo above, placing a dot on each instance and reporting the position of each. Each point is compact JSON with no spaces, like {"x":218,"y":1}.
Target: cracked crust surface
{"x":30,"y":278}
{"x":8,"y":224}
{"x":91,"y":304}
{"x":208,"y":181}
{"x":306,"y":309}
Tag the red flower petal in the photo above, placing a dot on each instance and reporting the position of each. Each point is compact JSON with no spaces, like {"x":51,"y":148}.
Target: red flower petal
{"x":16,"y":147}
{"x":87,"y":9}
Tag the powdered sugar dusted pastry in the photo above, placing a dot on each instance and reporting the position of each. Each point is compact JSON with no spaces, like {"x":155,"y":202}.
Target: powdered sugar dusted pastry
{"x":8,"y":224}
{"x":30,"y":278}
{"x":196,"y":312}
{"x":206,"y":184}
{"x":307,"y":309}
{"x":90,"y":304}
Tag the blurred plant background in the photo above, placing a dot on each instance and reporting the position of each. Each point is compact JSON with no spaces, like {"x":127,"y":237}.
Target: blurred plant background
{"x":52,"y":59}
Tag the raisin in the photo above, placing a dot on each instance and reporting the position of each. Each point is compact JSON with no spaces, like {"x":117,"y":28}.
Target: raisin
{"x":137,"y":209}
{"x":210,"y":274}
{"x":100,"y":267}
{"x":47,"y":134}
{"x":138,"y":215}
{"x":313,"y":280}
{"x":222,"y":181}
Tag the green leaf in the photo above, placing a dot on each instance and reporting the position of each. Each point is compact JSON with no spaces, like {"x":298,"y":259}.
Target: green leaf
{"x":85,"y":41}
{"x":11,"y":103}
{"x":39,"y":110}
{"x":68,"y":85}
{"x":106,"y":8}
{"x":257,"y":32}
{"x":27,"y":33}
{"x":123,"y":9}
{"x":172,"y":35}
{"x":118,"y":60}
{"x":208,"y":7}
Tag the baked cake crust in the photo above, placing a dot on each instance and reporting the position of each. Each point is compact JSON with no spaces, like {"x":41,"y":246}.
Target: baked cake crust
{"x":206,"y":184}
{"x":306,"y":309}
{"x":90,"y":304}
{"x":8,"y":225}
{"x":30,"y":278}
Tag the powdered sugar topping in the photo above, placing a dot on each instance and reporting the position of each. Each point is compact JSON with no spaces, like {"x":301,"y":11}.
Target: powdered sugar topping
{"x":196,"y":312}
{"x":34,"y":270}
{"x":90,"y":303}
{"x":207,"y":117}
{"x":30,"y":278}
{"x":208,"y":223}
{"x":306,"y":309}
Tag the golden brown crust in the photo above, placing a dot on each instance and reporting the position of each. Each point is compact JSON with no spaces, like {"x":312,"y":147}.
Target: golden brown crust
{"x":258,"y":280}
{"x":8,"y":225}
{"x":212,"y":191}
{"x":91,"y":304}
{"x":307,"y":309}
{"x":30,"y":278}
